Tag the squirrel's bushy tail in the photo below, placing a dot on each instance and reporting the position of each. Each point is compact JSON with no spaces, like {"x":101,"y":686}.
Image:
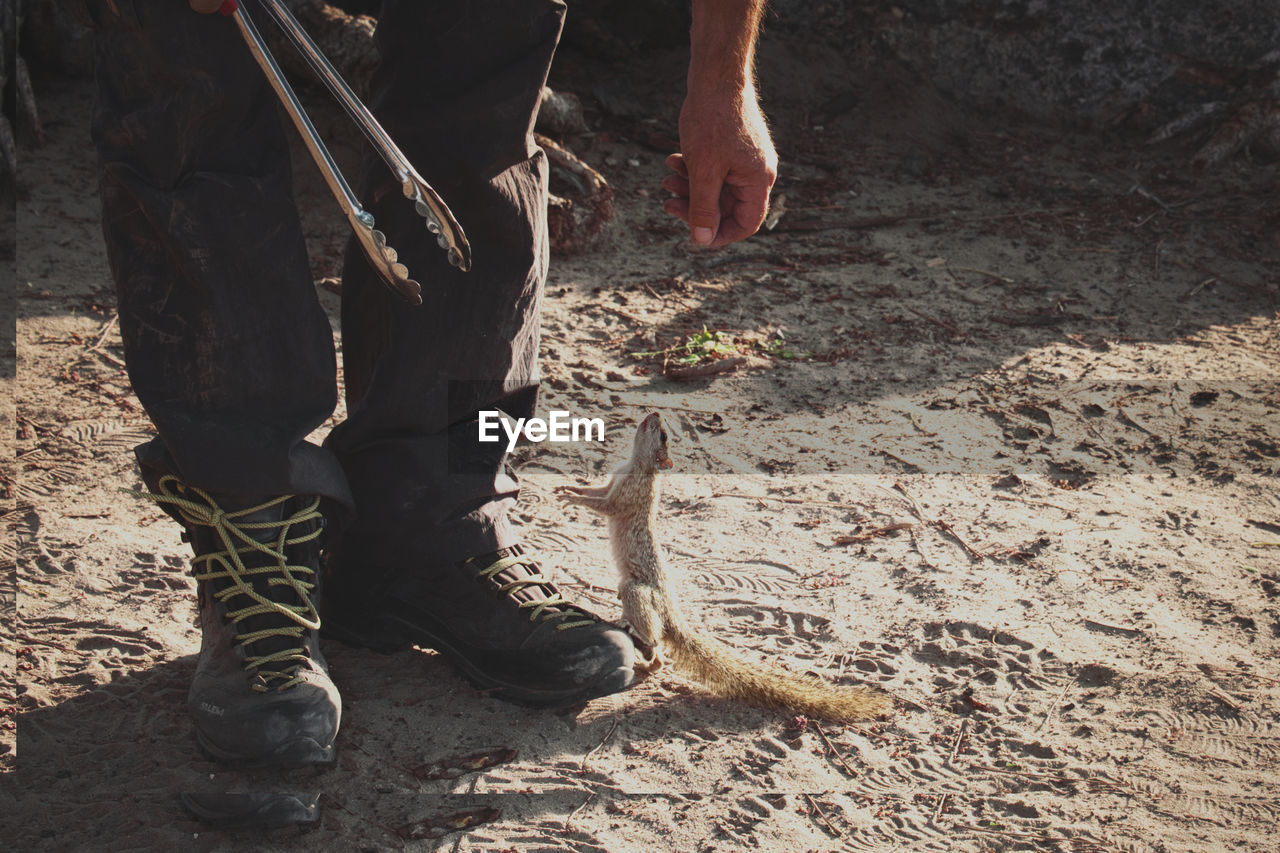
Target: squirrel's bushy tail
{"x":722,"y":671}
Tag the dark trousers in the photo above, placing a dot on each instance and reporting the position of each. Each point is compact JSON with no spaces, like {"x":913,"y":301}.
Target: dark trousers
{"x":227,"y":346}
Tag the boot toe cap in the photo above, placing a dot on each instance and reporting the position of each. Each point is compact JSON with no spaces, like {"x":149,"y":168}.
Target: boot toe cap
{"x":280,"y":728}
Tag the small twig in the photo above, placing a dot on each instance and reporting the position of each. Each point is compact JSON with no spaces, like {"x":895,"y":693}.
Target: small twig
{"x":976,"y":555}
{"x":786,"y":500}
{"x":837,"y":833}
{"x":1124,"y":418}
{"x":1225,"y":699}
{"x":583,"y":765}
{"x":118,"y":362}
{"x":618,"y":312}
{"x":1103,"y":626}
{"x":950,"y":327}
{"x":834,"y":751}
{"x":1030,"y":501}
{"x":915,"y":422}
{"x":974,"y":702}
{"x":912,"y":465}
{"x":582,"y":806}
{"x":1168,"y":208}
{"x":867,"y":535}
{"x":941,"y":525}
{"x":955,"y":746}
{"x":607,"y":343}
{"x":329,"y":798}
{"x":1057,"y":701}
{"x":902,"y":492}
{"x":1199,"y":287}
{"x":909,"y":703}
{"x":924,"y":558}
{"x":104,"y":331}
{"x":942,"y":803}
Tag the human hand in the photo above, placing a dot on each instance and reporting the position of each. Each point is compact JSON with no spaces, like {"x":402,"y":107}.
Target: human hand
{"x":725,"y":170}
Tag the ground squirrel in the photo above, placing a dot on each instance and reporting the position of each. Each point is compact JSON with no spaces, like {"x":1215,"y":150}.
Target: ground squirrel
{"x":630,"y":501}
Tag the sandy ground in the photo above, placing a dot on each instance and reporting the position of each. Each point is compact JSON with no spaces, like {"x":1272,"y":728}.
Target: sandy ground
{"x":1052,"y":356}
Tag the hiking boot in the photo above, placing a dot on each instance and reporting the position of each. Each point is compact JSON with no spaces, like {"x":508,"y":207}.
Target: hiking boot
{"x":497,"y":618}
{"x":261,"y":695}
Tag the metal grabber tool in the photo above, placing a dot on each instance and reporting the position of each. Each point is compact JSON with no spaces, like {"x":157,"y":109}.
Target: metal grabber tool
{"x":428,"y":204}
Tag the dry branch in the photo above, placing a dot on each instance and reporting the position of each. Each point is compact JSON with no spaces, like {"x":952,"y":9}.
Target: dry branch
{"x":705,"y":369}
{"x":573,"y":225}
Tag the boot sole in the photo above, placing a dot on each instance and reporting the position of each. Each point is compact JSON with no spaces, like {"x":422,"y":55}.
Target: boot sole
{"x":303,"y":752}
{"x":613,"y":682}
{"x":264,"y":810}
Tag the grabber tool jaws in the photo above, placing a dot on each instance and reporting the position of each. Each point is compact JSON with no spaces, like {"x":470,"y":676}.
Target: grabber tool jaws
{"x":440,"y":220}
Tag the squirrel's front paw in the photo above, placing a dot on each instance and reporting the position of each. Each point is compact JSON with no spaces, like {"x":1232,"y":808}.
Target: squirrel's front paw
{"x":648,"y":658}
{"x":650,"y":664}
{"x":584,"y":495}
{"x":592,"y":497}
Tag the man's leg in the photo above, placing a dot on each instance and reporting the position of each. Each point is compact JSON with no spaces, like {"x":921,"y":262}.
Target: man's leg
{"x":431,"y":558}
{"x":231,"y":356}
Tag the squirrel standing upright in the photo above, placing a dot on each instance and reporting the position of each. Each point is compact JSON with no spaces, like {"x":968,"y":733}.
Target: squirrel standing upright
{"x":630,"y":502}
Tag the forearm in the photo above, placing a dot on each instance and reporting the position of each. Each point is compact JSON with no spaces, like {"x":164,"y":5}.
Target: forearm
{"x":722,"y":41}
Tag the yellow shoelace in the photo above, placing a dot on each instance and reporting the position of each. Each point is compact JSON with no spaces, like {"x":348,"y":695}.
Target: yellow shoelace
{"x":229,"y":564}
{"x":540,"y":611}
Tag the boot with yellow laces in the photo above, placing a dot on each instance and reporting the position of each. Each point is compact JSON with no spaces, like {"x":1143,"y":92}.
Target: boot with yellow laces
{"x":261,"y":695}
